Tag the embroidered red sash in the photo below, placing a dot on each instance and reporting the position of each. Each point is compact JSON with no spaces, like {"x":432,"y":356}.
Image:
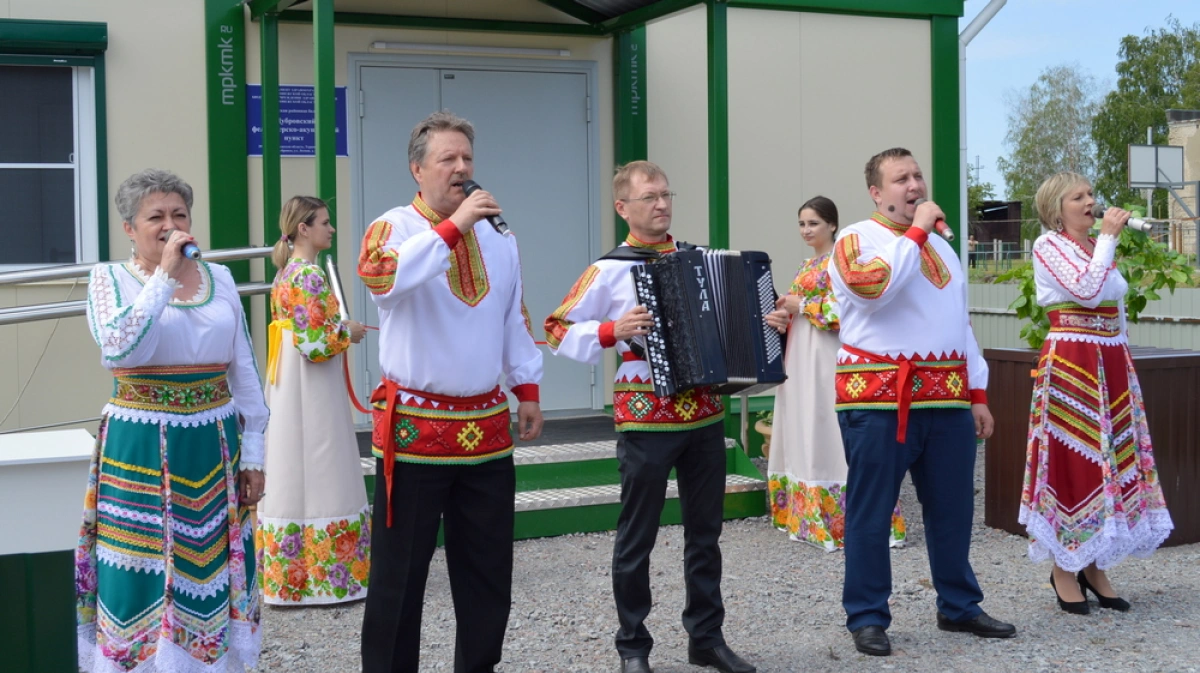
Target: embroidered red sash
{"x":880,"y":382}
{"x":1103,"y":321}
{"x":437,"y":429}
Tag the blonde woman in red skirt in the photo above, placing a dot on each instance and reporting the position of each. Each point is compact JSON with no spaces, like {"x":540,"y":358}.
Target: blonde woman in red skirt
{"x":1091,"y":495}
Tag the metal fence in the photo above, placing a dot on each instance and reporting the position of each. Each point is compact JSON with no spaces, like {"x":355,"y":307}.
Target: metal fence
{"x":63,"y":309}
{"x":16,"y":315}
{"x":998,"y":256}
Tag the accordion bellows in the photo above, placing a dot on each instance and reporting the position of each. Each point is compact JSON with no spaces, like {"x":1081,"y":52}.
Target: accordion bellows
{"x":708,"y":308}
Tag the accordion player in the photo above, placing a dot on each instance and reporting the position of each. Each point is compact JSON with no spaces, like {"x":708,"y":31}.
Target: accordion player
{"x":708,"y":308}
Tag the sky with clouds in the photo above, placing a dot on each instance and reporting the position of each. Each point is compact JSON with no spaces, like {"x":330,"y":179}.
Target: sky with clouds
{"x":1028,"y":36}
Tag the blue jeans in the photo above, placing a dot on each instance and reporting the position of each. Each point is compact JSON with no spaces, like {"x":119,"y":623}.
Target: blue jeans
{"x":940,"y":453}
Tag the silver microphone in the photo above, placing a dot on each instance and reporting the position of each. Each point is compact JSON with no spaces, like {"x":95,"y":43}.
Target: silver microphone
{"x":191,"y":250}
{"x":1135,"y":223}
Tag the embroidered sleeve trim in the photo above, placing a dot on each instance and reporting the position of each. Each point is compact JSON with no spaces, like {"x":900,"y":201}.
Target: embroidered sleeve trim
{"x":377,"y":265}
{"x":867,"y":280}
{"x":253,"y":455}
{"x":527,"y":392}
{"x":449,"y":233}
{"x":916,"y":235}
{"x":607,"y":334}
{"x":556,"y":324}
{"x":978,"y":396}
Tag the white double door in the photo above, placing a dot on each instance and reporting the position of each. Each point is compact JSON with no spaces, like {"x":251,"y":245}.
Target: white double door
{"x":532,"y":151}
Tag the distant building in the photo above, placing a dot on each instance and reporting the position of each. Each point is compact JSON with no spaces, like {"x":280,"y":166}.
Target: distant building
{"x":1183,"y":130}
{"x":997,"y":221}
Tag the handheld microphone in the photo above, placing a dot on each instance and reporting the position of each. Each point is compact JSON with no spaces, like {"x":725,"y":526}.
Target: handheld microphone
{"x":940,"y":224}
{"x":498,"y":223}
{"x":1135,"y":223}
{"x":191,"y":250}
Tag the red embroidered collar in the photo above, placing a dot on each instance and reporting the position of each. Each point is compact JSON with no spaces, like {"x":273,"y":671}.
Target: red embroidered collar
{"x":662,"y":246}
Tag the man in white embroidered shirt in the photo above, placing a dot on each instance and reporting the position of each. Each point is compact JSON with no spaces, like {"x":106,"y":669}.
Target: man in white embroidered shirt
{"x":451,"y":324}
{"x":681,"y":432}
{"x":911,"y":397}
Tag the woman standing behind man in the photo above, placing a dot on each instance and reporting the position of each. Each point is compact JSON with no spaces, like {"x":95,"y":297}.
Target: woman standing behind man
{"x":314,"y":531}
{"x":1091,"y":492}
{"x":807,"y":466}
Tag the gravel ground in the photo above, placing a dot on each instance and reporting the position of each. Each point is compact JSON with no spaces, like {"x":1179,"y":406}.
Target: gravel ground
{"x":783,"y":611}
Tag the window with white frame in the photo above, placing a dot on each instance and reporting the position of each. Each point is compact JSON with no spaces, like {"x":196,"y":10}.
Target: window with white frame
{"x":48,"y":165}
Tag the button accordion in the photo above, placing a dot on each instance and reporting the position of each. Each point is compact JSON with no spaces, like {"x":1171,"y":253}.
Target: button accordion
{"x":708,"y":308}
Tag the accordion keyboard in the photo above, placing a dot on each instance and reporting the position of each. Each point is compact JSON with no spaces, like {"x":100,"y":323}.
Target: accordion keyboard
{"x":655,"y":342}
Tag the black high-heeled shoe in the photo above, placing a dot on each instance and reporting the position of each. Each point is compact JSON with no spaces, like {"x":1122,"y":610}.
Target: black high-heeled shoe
{"x":1118,"y":604}
{"x":1074,"y":607}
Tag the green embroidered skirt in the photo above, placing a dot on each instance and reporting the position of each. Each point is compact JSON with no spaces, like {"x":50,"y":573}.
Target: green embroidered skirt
{"x":162,"y":576}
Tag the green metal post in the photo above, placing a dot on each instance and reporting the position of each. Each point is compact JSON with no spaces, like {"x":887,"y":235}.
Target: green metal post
{"x":718,"y":135}
{"x":268,"y":29}
{"x":228,"y":175}
{"x":629,"y":118}
{"x":718,"y":124}
{"x":326,"y":116}
{"x":944,"y":84}
{"x":101,"y":156}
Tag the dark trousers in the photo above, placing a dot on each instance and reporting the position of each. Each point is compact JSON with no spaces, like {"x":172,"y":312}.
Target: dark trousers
{"x":940,"y":453}
{"x":645,"y":460}
{"x":476,"y":502}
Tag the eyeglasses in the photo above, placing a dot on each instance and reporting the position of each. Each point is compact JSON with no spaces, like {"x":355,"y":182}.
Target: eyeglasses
{"x":653,"y":198}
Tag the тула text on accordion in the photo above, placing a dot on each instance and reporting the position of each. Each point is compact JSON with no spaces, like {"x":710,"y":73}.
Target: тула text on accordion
{"x":708,"y":308}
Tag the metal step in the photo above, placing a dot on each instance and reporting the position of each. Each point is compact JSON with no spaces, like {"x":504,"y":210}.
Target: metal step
{"x":554,"y":453}
{"x":577,"y":507}
{"x":560,"y":498}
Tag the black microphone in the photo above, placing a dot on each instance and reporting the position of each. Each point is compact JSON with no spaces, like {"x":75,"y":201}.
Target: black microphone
{"x":191,"y":250}
{"x":498,"y":223}
{"x":1137,"y":224}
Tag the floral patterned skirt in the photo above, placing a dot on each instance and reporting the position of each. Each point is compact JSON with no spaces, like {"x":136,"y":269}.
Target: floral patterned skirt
{"x":163,"y":581}
{"x":806,"y":472}
{"x":314,"y":531}
{"x":1091,"y":492}
{"x":816,"y":512}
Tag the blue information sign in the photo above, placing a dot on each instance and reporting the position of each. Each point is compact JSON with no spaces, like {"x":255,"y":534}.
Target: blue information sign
{"x":297,"y":125}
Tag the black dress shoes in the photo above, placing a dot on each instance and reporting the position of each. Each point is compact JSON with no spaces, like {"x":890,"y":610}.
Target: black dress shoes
{"x":720,"y":657}
{"x":1073,"y":607}
{"x":982,"y":626}
{"x":872,"y":640}
{"x":636,"y":665}
{"x":1118,"y":603}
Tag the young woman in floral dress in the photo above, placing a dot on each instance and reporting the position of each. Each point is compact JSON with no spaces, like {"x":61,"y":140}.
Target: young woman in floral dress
{"x":313,"y":527}
{"x":807,"y":466}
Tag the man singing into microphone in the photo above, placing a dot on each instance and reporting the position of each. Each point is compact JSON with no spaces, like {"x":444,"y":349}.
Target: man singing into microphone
{"x":451,"y":324}
{"x":911,"y":397}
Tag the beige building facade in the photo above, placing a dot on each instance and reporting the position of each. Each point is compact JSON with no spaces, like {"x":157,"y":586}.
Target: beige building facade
{"x":787,"y":101}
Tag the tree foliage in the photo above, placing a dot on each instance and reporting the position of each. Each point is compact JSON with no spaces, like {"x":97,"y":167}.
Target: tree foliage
{"x":1157,"y":72}
{"x":977,"y":193}
{"x":1049,"y":130}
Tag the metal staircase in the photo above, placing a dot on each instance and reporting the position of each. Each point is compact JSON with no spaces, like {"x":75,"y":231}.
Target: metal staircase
{"x":574,"y":487}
